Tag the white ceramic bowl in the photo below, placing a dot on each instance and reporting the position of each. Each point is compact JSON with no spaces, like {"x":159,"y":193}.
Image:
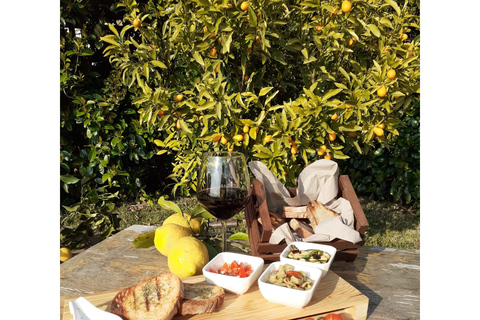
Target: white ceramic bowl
{"x":287,"y":296}
{"x":310,"y":245}
{"x":236,"y":285}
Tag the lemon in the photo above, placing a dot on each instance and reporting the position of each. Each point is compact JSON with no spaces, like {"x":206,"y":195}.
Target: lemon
{"x":65,"y":254}
{"x":167,"y":235}
{"x":186,"y":221}
{"x":187,"y":257}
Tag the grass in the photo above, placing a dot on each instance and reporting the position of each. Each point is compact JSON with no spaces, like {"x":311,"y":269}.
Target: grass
{"x":390,"y":225}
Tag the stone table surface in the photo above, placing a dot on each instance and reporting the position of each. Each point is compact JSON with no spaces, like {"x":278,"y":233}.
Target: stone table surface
{"x":390,"y":278}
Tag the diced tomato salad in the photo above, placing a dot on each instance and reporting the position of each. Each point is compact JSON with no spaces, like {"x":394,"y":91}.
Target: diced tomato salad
{"x":234,"y":269}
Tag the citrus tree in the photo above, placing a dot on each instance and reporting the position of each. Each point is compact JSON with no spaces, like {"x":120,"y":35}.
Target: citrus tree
{"x":285,"y":82}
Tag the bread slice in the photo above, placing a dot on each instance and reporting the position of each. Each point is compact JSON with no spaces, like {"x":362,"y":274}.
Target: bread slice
{"x":317,"y":213}
{"x":295,"y":212}
{"x":302,"y":230}
{"x":157,"y":298}
{"x":201,"y":298}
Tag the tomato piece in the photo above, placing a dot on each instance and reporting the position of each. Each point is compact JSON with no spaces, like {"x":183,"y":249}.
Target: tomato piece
{"x":295,"y":274}
{"x":224,"y":269}
{"x":333,"y":316}
{"x":234,"y":265}
{"x":213,"y":270}
{"x":242,"y":273}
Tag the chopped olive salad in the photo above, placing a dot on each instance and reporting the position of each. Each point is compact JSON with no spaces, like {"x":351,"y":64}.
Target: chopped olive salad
{"x":310,"y":255}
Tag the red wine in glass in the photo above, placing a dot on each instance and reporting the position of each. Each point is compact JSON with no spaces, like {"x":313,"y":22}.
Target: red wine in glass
{"x":223,"y":186}
{"x":224,"y":204}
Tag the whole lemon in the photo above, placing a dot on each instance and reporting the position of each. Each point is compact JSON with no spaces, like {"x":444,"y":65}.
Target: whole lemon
{"x":65,"y":254}
{"x":167,"y":235}
{"x":185,"y":221}
{"x":187,"y":257}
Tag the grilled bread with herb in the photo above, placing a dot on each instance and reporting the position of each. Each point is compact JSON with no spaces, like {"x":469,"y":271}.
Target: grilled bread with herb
{"x":157,"y":298}
{"x":317,"y":213}
{"x":201,"y":298}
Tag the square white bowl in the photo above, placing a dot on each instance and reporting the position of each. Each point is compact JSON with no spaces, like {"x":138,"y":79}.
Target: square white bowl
{"x":287,"y":296}
{"x":306,"y":246}
{"x":232,"y":284}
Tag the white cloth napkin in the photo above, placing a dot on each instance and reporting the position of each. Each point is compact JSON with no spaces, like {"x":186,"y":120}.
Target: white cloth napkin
{"x":318,"y":181}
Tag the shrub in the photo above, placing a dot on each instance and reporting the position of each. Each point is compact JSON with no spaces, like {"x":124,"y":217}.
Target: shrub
{"x":285,"y":82}
{"x":103,"y":148}
{"x":391,"y":172}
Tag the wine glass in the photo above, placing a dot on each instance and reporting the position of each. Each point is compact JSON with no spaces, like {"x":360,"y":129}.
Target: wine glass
{"x":223,"y":187}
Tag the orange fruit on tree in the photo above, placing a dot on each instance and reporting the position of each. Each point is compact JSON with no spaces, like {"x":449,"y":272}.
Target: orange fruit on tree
{"x":318,"y":28}
{"x":381,"y":125}
{"x":213,"y":52}
{"x":205,"y":29}
{"x":378,"y":131}
{"x":322,"y":150}
{"x":229,"y":6}
{"x":332,"y":136}
{"x":178,"y":98}
{"x":294,"y":150}
{"x":267,"y":139}
{"x":246,"y":129}
{"x":328,"y":156}
{"x":250,"y":51}
{"x":244,"y":6}
{"x":136,"y":23}
{"x":404,"y":37}
{"x":161,"y":113}
{"x":351,"y":134}
{"x":216,"y":138}
{"x":178,"y":125}
{"x":334,"y":117}
{"x":257,"y":38}
{"x":238,"y":137}
{"x":347,"y":106}
{"x":391,"y":74}
{"x":224,"y":140}
{"x":246,"y":78}
{"x":351,"y":42}
{"x":346,"y":6}
{"x":212,"y":35}
{"x":382,"y":91}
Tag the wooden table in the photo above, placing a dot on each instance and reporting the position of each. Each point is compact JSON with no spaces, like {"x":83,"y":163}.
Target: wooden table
{"x":388,"y":277}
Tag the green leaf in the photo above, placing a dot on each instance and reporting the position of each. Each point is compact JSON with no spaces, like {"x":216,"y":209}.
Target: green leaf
{"x":198,"y":57}
{"x":226,"y":44}
{"x":271,"y":97}
{"x":110,"y":39}
{"x":374,"y":30}
{"x":264,"y":91}
{"x":112,"y":28}
{"x":330,"y":94}
{"x":159,"y":64}
{"x":239,"y":236}
{"x":144,"y":240}
{"x":184,"y":126}
{"x":68,"y":179}
{"x":169,"y":205}
{"x":92,"y":155}
{"x":395,"y":6}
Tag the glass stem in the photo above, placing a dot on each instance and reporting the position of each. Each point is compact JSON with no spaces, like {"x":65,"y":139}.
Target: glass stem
{"x":224,"y":236}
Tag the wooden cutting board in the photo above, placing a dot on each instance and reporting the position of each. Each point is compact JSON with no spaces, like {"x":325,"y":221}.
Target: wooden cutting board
{"x":333,"y":294}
